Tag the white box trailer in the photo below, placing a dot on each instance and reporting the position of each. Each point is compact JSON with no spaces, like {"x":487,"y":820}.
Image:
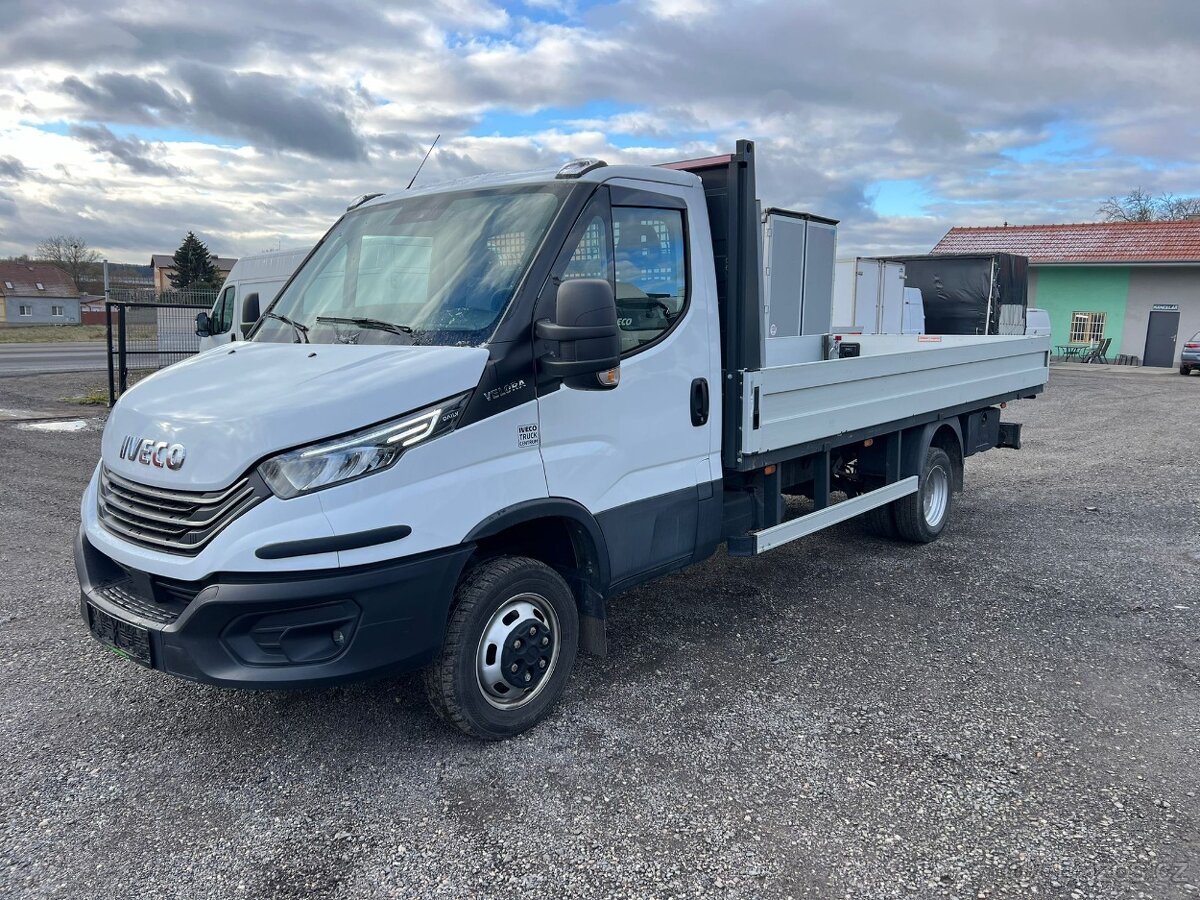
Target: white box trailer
{"x":868,"y":296}
{"x":450,"y":458}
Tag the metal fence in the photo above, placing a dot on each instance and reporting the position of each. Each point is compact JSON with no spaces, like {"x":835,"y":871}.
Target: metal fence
{"x":205,"y":297}
{"x":145,"y":336}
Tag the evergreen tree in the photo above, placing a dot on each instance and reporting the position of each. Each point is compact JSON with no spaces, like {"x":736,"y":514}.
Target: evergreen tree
{"x":194,"y":269}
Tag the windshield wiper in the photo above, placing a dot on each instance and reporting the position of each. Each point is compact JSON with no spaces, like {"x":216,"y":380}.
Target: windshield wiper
{"x":301,"y":330}
{"x":378,"y":324}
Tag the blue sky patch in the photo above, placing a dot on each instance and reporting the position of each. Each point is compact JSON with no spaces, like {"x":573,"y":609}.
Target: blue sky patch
{"x":900,"y":197}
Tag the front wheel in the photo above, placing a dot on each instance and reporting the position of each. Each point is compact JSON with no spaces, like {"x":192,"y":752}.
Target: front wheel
{"x":509,"y":650}
{"x":1183,"y":370}
{"x":921,"y":517}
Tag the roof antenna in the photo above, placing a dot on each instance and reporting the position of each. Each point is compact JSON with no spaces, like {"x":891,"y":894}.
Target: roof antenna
{"x":425,"y":157}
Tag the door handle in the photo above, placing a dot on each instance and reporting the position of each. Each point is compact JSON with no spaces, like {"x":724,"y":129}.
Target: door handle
{"x":699,"y":401}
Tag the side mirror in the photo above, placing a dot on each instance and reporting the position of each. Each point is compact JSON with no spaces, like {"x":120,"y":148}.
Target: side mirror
{"x":589,"y":343}
{"x":250,"y":311}
{"x":203,"y":325}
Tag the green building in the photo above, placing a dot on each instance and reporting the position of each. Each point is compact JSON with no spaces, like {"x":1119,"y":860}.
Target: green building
{"x":1137,"y":283}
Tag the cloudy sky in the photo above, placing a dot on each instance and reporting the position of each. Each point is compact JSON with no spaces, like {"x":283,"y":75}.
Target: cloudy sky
{"x":254,"y":122}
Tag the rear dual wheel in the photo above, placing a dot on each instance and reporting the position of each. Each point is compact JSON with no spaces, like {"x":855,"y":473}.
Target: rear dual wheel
{"x":510,"y":646}
{"x":920,"y":517}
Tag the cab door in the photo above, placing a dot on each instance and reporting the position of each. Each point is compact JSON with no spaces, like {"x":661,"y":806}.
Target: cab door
{"x":640,"y":457}
{"x":220,"y":320}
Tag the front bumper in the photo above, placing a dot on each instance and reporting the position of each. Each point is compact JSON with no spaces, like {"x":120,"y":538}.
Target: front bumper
{"x":277,"y":630}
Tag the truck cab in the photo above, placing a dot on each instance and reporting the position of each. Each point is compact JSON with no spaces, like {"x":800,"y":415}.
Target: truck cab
{"x":480,"y":410}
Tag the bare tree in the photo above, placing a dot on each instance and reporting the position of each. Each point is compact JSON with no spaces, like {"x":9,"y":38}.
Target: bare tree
{"x":71,"y":253}
{"x":1176,"y":208}
{"x":1140,"y":206}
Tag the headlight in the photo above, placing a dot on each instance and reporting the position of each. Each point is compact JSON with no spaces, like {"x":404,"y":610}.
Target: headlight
{"x":354,"y":455}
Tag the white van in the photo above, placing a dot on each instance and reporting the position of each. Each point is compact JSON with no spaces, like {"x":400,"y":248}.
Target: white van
{"x":1037,"y":323}
{"x":252,"y":284}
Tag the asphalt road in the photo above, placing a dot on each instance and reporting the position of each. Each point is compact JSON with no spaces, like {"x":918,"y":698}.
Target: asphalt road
{"x":49,"y":357}
{"x":1013,"y":711}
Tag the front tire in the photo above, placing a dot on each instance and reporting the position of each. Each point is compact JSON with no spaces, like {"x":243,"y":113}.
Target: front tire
{"x":921,"y":517}
{"x":1184,"y":370}
{"x":510,"y":646}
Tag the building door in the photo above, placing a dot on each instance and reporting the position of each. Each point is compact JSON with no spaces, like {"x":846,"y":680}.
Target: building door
{"x":1160,"y":339}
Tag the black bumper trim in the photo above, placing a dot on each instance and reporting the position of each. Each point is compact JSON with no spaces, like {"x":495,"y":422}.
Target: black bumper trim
{"x":263,"y":630}
{"x":333,"y":543}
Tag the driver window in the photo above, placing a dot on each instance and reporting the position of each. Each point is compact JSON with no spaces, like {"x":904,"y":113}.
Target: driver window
{"x":651,"y":286}
{"x":222,"y":311}
{"x":592,"y":257}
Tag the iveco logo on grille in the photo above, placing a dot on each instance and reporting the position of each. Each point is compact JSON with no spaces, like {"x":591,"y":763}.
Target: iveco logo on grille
{"x":153,"y":453}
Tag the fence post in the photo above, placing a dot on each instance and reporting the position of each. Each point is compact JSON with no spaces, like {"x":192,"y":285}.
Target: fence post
{"x":108,"y":334}
{"x":121,"y":341}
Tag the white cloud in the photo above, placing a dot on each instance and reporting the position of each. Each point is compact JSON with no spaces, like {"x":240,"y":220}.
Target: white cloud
{"x":296,"y":106}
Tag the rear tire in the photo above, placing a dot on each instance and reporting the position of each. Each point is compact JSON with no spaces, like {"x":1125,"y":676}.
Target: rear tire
{"x":513,"y":618}
{"x":881,"y":522}
{"x":1184,"y":370}
{"x":921,"y":517}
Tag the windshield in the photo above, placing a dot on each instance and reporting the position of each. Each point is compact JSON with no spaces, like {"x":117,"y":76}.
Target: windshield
{"x":434,"y":269}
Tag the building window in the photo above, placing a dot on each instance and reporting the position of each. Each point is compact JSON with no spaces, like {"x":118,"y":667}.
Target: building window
{"x":56,"y":310}
{"x":40,"y":286}
{"x":9,"y":285}
{"x":26,"y":310}
{"x":1087,"y":327}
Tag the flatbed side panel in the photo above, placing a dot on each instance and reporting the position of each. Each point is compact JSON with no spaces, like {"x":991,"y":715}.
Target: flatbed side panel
{"x":798,"y":404}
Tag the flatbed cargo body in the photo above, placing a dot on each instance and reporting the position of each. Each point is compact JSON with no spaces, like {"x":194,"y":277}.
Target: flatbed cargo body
{"x":897,"y":379}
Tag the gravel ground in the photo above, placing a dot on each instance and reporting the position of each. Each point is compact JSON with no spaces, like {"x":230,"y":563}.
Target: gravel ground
{"x":1012,"y":711}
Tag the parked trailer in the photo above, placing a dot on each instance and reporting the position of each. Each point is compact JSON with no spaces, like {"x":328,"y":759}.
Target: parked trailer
{"x":868,"y":296}
{"x":970,"y":293}
{"x":480,"y":410}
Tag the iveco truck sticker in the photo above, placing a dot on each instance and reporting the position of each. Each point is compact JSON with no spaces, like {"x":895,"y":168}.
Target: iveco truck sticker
{"x":527,"y":435}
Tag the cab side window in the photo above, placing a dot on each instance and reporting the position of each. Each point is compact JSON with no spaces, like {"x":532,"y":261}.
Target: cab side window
{"x":651,"y":268}
{"x":221,"y":317}
{"x":593,"y":255}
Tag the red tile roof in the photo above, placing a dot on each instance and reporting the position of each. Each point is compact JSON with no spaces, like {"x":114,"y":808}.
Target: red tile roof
{"x":24,"y":278}
{"x":1098,"y":242}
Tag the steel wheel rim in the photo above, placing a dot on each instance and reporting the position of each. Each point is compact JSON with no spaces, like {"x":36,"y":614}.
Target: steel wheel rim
{"x":936,"y":496}
{"x":501,"y":629}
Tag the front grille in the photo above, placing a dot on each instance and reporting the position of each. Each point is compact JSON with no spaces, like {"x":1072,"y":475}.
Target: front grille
{"x":171,"y":520}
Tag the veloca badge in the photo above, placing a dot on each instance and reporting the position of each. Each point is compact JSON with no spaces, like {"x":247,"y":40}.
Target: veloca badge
{"x":153,"y":453}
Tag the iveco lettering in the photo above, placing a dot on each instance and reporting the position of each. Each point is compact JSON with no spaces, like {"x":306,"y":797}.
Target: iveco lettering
{"x":153,"y":453}
{"x":477,"y":412}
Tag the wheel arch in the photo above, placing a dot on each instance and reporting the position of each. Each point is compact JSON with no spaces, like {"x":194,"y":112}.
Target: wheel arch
{"x":946,"y":434}
{"x":565,"y":536}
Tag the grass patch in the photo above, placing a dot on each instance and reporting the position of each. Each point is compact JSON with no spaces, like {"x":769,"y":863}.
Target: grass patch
{"x":94,"y":397}
{"x":45,"y":334}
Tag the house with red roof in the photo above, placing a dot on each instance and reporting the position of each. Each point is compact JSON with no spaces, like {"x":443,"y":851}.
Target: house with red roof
{"x":1135,"y":282}
{"x":35,"y":293}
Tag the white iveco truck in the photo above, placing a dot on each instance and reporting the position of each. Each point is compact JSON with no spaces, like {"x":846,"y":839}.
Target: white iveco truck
{"x":480,"y":410}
